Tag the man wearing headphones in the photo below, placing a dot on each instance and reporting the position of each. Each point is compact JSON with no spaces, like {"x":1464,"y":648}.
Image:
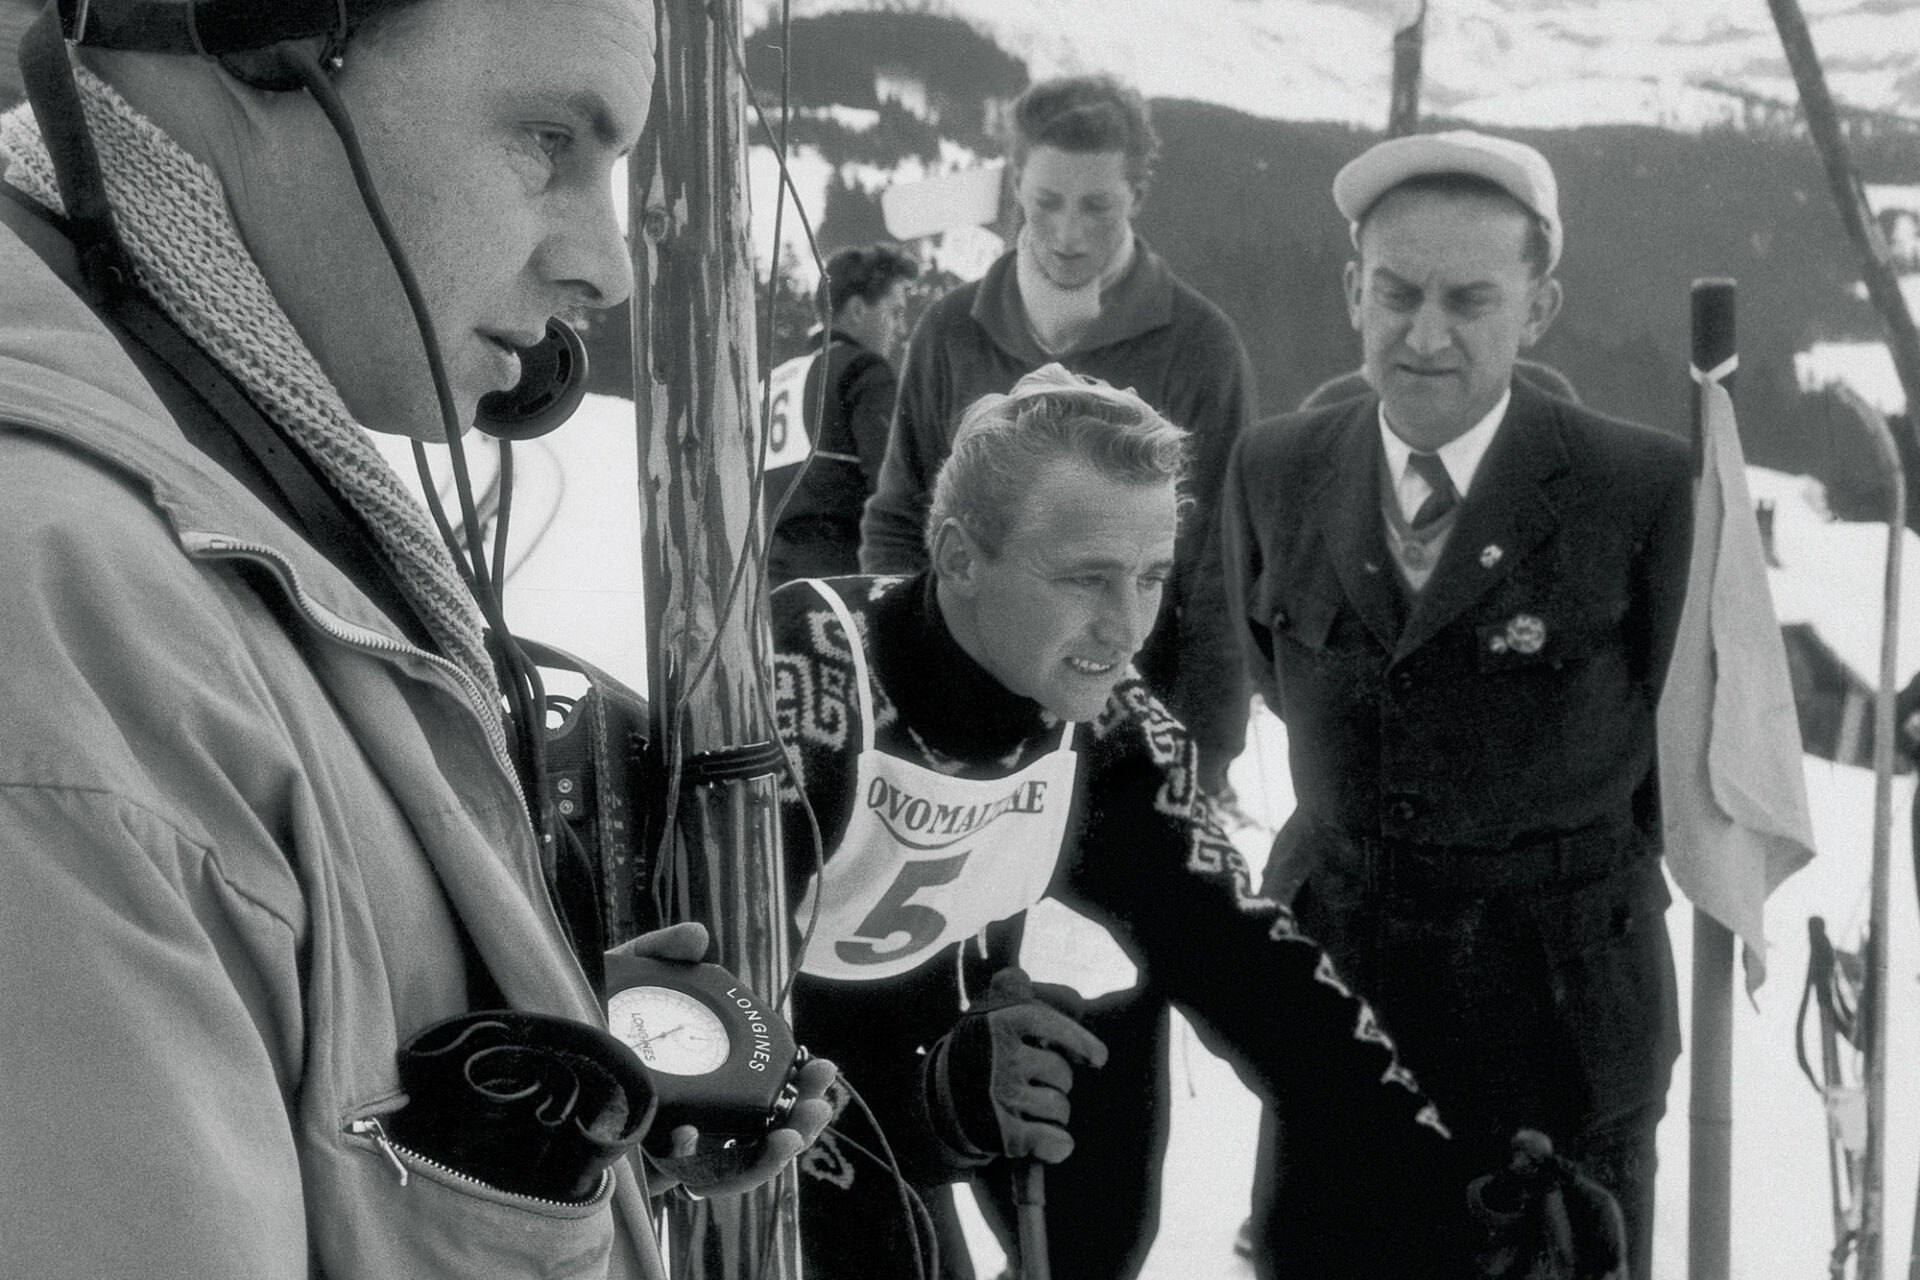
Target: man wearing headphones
{"x":261,"y":828}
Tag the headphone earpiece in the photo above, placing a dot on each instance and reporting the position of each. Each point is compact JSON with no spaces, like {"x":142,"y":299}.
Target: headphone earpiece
{"x":553,"y":381}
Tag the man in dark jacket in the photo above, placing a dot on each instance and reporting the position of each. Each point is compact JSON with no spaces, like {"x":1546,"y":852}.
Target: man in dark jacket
{"x":843,"y":384}
{"x":1081,"y":289}
{"x":1461,"y":594}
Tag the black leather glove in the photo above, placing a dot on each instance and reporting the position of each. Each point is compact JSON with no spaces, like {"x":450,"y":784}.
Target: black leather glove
{"x":1542,"y":1219}
{"x":536,"y":1105}
{"x":996,"y":1085}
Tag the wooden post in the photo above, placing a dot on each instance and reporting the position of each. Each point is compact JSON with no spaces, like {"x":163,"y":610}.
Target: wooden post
{"x":1870,"y":1255}
{"x":1710,"y":1129}
{"x":1823,"y":122}
{"x":716,"y":824}
{"x":1903,"y":341}
{"x":1409,"y":39}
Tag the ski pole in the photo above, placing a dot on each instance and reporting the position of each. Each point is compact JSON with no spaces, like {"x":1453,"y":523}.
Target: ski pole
{"x":1030,"y":1209}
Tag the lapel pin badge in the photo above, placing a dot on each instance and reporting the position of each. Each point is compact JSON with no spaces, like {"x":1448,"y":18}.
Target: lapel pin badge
{"x":1490,"y":555}
{"x":1526,"y":634}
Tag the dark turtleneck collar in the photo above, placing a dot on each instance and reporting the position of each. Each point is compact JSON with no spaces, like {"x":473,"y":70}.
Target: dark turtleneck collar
{"x":953,"y":703}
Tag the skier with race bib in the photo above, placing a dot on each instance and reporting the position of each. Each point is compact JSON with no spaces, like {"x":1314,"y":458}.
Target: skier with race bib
{"x":829,"y":411}
{"x":1001,"y":806}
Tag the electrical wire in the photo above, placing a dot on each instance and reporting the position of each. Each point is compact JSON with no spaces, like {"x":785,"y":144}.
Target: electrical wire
{"x":521,"y":681}
{"x":666,"y":859}
{"x":519,"y":678}
{"x":763,"y":659}
{"x":504,"y":483}
{"x":910,"y":1199}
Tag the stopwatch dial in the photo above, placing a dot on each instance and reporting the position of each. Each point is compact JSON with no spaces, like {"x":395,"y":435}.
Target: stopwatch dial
{"x":671,"y":1031}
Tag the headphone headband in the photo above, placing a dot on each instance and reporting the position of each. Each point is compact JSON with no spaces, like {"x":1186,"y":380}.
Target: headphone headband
{"x":210,"y":28}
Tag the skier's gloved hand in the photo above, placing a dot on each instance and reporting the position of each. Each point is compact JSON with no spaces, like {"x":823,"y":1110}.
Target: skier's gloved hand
{"x":996,"y":1085}
{"x":1542,"y":1219}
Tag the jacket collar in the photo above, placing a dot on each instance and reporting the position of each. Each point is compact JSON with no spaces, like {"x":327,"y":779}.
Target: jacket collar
{"x":1347,"y":506}
{"x":68,"y":377}
{"x":1139,"y":302}
{"x":955,"y":705}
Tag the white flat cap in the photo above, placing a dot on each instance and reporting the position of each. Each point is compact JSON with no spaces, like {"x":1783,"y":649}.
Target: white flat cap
{"x":1514,"y":166}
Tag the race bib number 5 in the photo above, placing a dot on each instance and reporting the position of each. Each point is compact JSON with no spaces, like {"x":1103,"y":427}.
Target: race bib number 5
{"x":897,"y":925}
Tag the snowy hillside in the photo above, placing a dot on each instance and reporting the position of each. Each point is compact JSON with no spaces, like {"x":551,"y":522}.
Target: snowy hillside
{"x":1781,"y":1228}
{"x":1502,"y":62}
{"x":577,"y":584}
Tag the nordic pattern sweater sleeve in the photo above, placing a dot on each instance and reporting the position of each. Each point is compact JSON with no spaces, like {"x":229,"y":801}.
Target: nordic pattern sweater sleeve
{"x":876,"y":1032}
{"x":1146,"y":856}
{"x":1153,"y":864}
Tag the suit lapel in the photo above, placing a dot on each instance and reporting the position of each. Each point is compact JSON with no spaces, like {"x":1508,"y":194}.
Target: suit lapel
{"x":1348,"y":510}
{"x":1511,"y":509}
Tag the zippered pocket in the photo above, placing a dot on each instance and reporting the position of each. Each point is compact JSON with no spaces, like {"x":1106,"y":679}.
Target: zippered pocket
{"x":411,"y":1216}
{"x":405,"y":1163}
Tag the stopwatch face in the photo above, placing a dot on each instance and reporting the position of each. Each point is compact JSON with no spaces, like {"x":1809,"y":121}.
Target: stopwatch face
{"x":671,"y":1031}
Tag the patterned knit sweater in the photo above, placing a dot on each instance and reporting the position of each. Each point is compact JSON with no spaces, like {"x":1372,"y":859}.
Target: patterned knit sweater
{"x":1145,"y":857}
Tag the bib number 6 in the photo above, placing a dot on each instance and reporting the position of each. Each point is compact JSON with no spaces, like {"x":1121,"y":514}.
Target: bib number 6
{"x":894,"y":916}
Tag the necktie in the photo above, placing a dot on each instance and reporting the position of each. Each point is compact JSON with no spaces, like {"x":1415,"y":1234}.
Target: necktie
{"x":1442,"y":498}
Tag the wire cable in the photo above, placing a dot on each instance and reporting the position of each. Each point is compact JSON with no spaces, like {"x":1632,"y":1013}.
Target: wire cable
{"x":908,"y":1196}
{"x":519,"y":679}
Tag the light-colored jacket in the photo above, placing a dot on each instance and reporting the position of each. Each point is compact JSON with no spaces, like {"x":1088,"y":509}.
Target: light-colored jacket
{"x":238,"y":818}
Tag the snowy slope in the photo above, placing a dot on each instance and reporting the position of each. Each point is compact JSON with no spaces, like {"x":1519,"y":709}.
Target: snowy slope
{"x":1831,"y":576}
{"x":577,"y":584}
{"x":1781,"y":1228}
{"x":1506,"y":62}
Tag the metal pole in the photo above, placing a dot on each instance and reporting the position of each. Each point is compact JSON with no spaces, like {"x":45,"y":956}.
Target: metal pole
{"x":1030,"y":1207}
{"x":1710,"y":1144}
{"x":1903,"y":342}
{"x":1409,"y":40}
{"x":1850,"y":198}
{"x":1871,"y":1249}
{"x":716,"y":822}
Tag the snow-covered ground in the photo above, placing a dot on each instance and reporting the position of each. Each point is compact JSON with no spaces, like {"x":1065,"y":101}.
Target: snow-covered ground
{"x":1781,"y":1223}
{"x":1782,"y":1228}
{"x":577,"y":531}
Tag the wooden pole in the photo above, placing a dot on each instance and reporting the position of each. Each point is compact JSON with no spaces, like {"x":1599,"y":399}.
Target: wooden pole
{"x":1409,"y":40}
{"x":716,"y":823}
{"x":1710,"y":1131}
{"x":1850,"y":198}
{"x":1903,"y":341}
{"x":1870,"y":1257}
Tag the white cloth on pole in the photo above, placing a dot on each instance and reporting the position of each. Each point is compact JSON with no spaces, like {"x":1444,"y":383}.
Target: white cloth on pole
{"x":1732,"y":784}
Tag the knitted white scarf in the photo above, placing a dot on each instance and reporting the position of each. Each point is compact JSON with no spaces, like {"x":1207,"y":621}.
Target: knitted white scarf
{"x":1058,"y":318}
{"x":172,"y":215}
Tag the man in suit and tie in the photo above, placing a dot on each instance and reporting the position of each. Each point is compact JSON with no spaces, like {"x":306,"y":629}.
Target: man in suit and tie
{"x":1460,"y":594}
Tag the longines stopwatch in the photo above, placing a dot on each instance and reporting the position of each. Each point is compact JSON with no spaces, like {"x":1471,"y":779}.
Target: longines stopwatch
{"x":720,"y":1059}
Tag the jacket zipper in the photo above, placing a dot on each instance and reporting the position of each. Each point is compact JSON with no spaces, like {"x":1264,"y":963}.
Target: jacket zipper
{"x":365,"y":638}
{"x":393,"y":1151}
